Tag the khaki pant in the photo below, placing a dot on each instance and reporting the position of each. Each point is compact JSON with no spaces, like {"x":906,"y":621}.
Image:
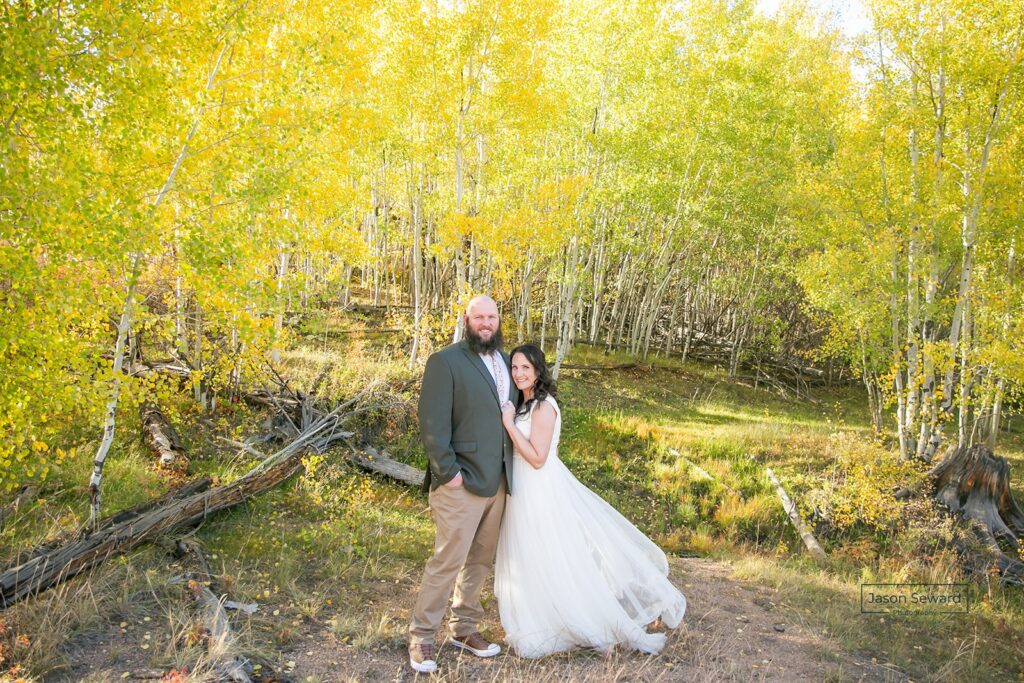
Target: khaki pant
{"x":464,"y":548}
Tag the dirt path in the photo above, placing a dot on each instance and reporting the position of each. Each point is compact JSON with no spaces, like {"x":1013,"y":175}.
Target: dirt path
{"x":732,"y":632}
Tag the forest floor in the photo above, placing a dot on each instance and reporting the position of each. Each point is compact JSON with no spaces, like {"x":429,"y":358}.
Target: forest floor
{"x":734,"y":630}
{"x":333,"y":558}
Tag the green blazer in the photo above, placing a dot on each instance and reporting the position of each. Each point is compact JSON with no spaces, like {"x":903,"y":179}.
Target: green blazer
{"x":460,"y":422}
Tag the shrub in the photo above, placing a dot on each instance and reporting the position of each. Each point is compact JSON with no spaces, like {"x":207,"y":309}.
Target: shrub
{"x":858,"y":492}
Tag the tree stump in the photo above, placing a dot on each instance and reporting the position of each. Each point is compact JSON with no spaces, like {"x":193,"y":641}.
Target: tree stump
{"x":974,"y":484}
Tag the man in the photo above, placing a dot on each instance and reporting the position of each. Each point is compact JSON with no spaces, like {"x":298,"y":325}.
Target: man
{"x":470,"y":470}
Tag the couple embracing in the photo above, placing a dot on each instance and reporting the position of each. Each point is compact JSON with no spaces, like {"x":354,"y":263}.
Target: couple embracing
{"x":569,"y":570}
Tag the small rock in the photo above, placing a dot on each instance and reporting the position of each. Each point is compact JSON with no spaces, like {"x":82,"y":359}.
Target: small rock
{"x":779,"y":627}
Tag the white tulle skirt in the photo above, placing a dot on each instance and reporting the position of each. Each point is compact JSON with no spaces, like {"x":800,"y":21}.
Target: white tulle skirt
{"x":571,"y":571}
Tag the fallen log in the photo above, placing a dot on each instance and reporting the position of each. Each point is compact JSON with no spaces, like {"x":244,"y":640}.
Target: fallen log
{"x":974,"y":484}
{"x":619,"y":366}
{"x":160,"y":435}
{"x":789,"y":506}
{"x":48,"y":569}
{"x":53,"y":564}
{"x":380,"y":462}
{"x":701,"y":472}
{"x":122,"y":518}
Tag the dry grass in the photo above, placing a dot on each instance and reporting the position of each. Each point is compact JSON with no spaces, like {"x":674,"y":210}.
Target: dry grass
{"x":977,"y":646}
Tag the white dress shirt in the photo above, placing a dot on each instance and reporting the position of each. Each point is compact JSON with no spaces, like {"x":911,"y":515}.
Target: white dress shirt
{"x":495,"y":362}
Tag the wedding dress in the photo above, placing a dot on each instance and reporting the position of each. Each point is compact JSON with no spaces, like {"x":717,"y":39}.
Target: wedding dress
{"x":570,"y":570}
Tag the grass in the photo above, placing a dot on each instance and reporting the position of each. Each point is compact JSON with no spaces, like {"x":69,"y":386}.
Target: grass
{"x":621,"y":440}
{"x":714,"y":500}
{"x":983,"y":645}
{"x":679,"y":448}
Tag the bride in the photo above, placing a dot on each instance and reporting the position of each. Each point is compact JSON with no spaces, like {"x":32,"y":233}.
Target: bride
{"x":570,"y":570}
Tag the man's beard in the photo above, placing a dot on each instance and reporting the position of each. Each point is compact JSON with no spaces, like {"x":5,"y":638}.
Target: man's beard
{"x":478,"y":344}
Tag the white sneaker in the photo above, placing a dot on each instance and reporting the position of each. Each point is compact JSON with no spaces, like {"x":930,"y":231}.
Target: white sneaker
{"x":421,"y":658}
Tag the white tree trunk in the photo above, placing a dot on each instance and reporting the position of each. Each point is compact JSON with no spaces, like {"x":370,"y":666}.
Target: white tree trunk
{"x":127,"y":311}
{"x":974,"y":194}
{"x":282,"y":268}
{"x":997,"y":402}
{"x":415,"y":207}
{"x":566,"y":315}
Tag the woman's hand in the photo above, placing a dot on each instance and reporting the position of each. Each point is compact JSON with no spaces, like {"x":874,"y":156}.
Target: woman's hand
{"x":508,"y":413}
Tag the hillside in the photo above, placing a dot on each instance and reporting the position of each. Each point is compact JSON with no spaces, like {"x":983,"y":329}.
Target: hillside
{"x":332,"y":559}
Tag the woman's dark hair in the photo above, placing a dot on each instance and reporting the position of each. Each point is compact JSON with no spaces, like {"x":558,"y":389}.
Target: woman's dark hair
{"x":545,"y":386}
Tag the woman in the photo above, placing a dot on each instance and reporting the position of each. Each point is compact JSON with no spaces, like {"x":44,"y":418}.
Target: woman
{"x":570,"y":570}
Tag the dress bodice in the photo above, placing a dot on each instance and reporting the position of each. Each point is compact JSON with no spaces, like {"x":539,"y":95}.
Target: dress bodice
{"x":525,"y":424}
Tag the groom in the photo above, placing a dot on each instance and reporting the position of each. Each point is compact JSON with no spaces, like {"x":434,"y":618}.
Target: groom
{"x":470,"y":469}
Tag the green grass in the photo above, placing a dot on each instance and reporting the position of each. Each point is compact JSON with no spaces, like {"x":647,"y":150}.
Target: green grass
{"x":650,"y":438}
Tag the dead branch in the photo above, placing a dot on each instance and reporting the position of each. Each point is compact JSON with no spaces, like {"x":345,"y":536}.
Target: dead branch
{"x":174,"y":368}
{"x":221,"y":642}
{"x":701,"y":472}
{"x":794,"y":516}
{"x":243,"y":446}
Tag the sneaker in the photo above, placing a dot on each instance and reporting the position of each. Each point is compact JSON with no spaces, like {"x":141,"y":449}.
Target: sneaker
{"x":476,"y":644}
{"x":421,"y":658}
